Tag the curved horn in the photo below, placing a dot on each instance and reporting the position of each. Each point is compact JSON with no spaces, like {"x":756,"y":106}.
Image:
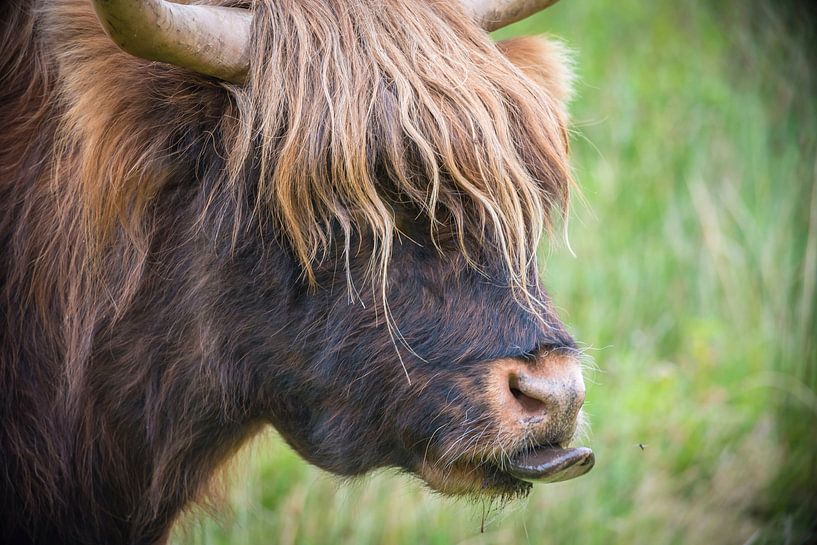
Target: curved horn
{"x":207,"y":39}
{"x":494,"y":14}
{"x":215,"y":40}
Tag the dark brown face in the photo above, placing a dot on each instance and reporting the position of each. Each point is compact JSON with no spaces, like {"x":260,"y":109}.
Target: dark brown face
{"x":441,"y":371}
{"x":466,"y":390}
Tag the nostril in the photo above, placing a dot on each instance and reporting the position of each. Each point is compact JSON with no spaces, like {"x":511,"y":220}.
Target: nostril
{"x":529,"y":405}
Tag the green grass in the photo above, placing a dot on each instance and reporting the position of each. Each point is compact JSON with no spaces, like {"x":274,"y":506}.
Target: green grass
{"x":693,"y":287}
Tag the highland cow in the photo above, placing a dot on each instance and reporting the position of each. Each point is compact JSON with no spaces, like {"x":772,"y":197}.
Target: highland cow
{"x":320,"y":215}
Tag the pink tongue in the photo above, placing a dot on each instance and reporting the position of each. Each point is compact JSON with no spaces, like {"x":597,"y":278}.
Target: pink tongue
{"x":552,"y":464}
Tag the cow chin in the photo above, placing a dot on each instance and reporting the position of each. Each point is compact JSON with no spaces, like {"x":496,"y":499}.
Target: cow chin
{"x":472,"y":478}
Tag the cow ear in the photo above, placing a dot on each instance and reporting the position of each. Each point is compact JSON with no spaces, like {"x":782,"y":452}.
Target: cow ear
{"x":544,"y":60}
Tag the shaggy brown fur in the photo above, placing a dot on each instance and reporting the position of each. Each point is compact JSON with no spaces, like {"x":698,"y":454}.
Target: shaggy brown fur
{"x":178,"y":254}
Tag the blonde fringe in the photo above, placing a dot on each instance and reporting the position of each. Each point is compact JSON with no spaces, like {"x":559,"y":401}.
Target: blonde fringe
{"x":339,"y":91}
{"x":348,"y":105}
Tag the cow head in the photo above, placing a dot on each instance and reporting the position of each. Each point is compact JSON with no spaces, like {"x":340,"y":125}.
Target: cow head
{"x":400,"y":169}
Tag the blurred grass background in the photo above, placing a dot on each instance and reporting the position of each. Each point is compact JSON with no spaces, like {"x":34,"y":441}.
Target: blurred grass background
{"x":693,"y":287}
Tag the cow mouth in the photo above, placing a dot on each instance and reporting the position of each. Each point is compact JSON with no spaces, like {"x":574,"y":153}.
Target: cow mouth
{"x":550,"y":464}
{"x":514,"y":476}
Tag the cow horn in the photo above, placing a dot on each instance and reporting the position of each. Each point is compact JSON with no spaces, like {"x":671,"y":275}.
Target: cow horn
{"x":215,"y":40}
{"x":207,"y":39}
{"x":494,"y":14}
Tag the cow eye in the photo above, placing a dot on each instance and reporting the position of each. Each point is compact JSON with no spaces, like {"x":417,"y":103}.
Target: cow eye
{"x":528,"y":355}
{"x":537,"y":351}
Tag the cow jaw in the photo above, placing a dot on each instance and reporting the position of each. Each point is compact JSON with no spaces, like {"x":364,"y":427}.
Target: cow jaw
{"x":464,"y":478}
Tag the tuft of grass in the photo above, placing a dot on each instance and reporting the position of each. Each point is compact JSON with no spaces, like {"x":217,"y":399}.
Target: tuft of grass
{"x":693,"y":287}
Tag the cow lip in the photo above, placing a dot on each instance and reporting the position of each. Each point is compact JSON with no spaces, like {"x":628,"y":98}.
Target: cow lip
{"x":550,"y":464}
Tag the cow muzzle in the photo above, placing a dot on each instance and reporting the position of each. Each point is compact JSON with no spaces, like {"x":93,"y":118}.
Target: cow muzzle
{"x":529,"y":413}
{"x":540,"y":399}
